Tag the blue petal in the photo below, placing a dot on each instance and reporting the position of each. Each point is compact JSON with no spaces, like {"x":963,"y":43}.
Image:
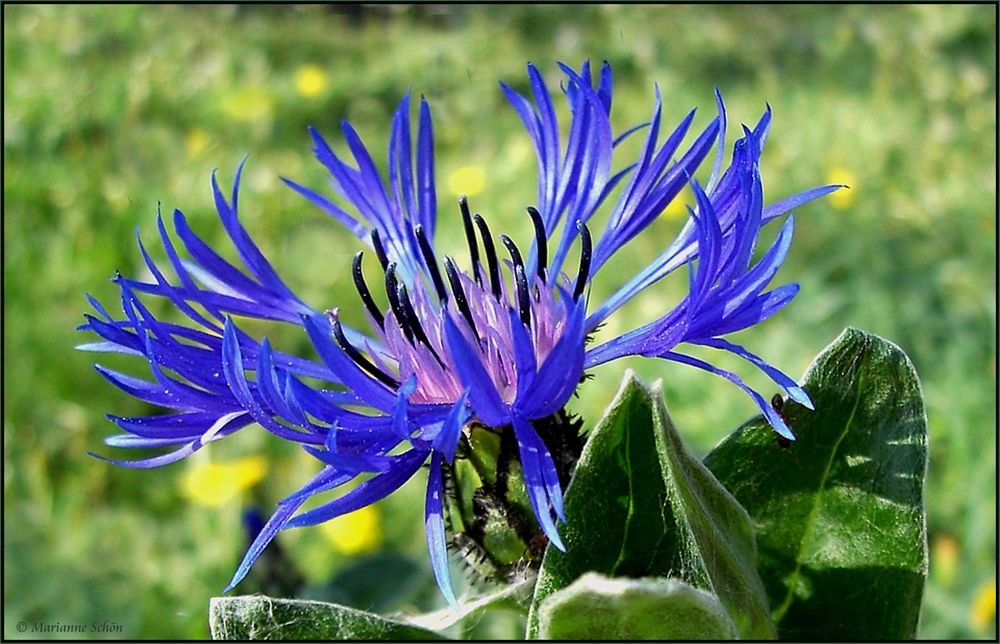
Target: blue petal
{"x":105,"y":347}
{"x":232,"y":366}
{"x":269,"y":388}
{"x":562,"y":370}
{"x":790,"y":203}
{"x":749,"y":314}
{"x":720,"y":150}
{"x":150,"y":392}
{"x":751,"y":283}
{"x":372,"y":490}
{"x":188,"y":426}
{"x":773,"y":417}
{"x":793,"y":390}
{"x":539,"y":474}
{"x":248,"y":251}
{"x":351,"y":463}
{"x":354,"y":378}
{"x":98,"y":307}
{"x":434,"y":527}
{"x":330,"y":208}
{"x":524,"y":354}
{"x":400,"y":421}
{"x":155,"y":461}
{"x":401,"y":160}
{"x":264,"y":537}
{"x":549,"y":129}
{"x":486,"y":401}
{"x":604,"y":89}
{"x":131,"y":441}
{"x":446,"y":441}
{"x":425,"y":170}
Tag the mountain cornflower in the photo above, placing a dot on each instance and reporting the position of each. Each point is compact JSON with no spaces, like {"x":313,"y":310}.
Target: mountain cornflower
{"x":481,"y":341}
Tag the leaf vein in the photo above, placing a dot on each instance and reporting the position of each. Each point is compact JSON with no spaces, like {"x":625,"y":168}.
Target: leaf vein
{"x":780,"y":612}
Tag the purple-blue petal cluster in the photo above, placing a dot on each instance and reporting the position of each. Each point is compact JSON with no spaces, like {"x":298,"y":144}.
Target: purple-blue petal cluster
{"x":488,"y":341}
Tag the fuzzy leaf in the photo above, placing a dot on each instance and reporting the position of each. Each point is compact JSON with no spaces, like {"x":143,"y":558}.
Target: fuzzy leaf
{"x":256,"y":617}
{"x":598,"y":607}
{"x":640,"y":506}
{"x":839,"y":514}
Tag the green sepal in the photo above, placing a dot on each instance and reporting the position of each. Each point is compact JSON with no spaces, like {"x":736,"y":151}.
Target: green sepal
{"x":640,"y":506}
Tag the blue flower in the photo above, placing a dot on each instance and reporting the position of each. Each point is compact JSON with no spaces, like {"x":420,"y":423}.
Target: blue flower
{"x":502,"y":343}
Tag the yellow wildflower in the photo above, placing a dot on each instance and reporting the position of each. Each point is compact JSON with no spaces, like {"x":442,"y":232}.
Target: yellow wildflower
{"x":310,"y":81}
{"x":944,"y":558}
{"x":468,"y":180}
{"x":196,"y":142}
{"x":248,"y":104}
{"x":358,"y":531}
{"x":678,"y":207}
{"x":216,"y":484}
{"x":984,"y":606}
{"x":843,"y":198}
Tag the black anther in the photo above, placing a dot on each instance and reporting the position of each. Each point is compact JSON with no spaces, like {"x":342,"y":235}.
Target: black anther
{"x":392,"y":291}
{"x":460,"y":299}
{"x":431,"y":262}
{"x":413,"y":321}
{"x":586,"y":253}
{"x":523,"y":301}
{"x":540,"y":240}
{"x":491,"y":254}
{"x":360,"y":360}
{"x":366,"y":296}
{"x":470,"y":237}
{"x":515,"y":253}
{"x":379,"y":249}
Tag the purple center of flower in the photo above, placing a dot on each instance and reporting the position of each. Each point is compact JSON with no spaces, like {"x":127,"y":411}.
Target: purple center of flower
{"x":411,"y":337}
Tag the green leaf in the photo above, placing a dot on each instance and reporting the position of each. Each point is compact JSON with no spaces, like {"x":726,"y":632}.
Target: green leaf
{"x":601,"y":608}
{"x":640,"y":506}
{"x":256,"y":617}
{"x":839,"y":515}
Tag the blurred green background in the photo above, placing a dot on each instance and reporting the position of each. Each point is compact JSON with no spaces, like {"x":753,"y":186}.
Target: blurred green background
{"x":110,"y":110}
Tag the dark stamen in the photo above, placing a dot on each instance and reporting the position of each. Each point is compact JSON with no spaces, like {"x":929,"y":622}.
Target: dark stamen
{"x":366,"y":296}
{"x":586,"y":248}
{"x":460,"y":300}
{"x":379,"y":249}
{"x":515,"y":253}
{"x":523,"y":301}
{"x":470,"y":237}
{"x":392,"y":290}
{"x":491,"y":254}
{"x":359,"y":359}
{"x":431,"y":262}
{"x":413,"y":322}
{"x":540,"y":240}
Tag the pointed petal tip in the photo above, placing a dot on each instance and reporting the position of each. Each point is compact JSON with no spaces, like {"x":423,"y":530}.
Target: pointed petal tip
{"x":238,"y":576}
{"x":560,"y":509}
{"x":556,"y":541}
{"x":799,"y":395}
